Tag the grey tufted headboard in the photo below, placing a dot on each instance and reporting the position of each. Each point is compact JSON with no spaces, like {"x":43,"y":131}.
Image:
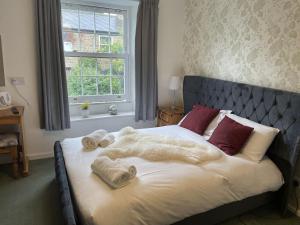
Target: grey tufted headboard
{"x":271,"y":107}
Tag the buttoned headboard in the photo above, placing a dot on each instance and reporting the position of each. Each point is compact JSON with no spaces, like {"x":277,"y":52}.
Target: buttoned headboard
{"x":267,"y":106}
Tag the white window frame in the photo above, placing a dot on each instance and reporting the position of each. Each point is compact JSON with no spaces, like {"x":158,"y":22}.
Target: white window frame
{"x":126,"y":97}
{"x":109,"y":45}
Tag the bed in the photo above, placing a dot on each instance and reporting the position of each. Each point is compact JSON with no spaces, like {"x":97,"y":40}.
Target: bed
{"x":270,"y":107}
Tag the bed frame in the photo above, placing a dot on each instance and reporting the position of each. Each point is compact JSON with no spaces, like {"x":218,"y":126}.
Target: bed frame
{"x":271,"y":107}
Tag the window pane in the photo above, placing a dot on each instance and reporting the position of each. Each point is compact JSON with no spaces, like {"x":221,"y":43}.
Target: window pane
{"x":116,"y":24}
{"x":70,"y":19}
{"x":117,"y":32}
{"x":88,"y":66}
{"x":73,"y":76}
{"x":72,"y":66}
{"x":71,"y":41}
{"x":117,"y":85}
{"x":103,"y":67}
{"x":117,"y":44}
{"x":104,"y":85}
{"x":89,"y":86}
{"x":104,"y":40}
{"x":103,"y":44}
{"x":102,"y":23}
{"x":87,"y":29}
{"x":102,"y":31}
{"x":87,"y":42}
{"x":74,"y":86}
{"x":117,"y":67}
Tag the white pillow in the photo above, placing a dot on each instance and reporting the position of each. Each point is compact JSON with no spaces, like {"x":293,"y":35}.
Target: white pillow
{"x":260,"y":139}
{"x":213,"y":124}
{"x":182,"y":119}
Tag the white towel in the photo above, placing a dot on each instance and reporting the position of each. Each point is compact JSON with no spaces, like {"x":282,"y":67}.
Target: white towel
{"x":116,"y":173}
{"x":106,"y":140}
{"x":92,"y":140}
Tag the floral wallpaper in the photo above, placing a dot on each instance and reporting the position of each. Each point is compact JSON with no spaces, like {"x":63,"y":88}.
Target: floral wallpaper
{"x":250,"y":41}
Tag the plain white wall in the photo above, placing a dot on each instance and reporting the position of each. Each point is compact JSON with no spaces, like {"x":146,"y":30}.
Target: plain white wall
{"x":170,"y":51}
{"x":17,"y":29}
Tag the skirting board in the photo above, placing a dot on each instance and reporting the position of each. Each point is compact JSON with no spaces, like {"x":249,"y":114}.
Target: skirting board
{"x":30,"y":157}
{"x":40,"y":156}
{"x":293,"y":210}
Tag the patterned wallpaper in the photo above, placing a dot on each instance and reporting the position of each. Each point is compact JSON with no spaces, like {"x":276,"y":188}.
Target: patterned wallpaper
{"x":250,"y":41}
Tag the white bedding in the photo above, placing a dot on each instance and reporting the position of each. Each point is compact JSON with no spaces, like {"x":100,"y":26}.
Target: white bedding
{"x":158,"y":148}
{"x":165,"y":192}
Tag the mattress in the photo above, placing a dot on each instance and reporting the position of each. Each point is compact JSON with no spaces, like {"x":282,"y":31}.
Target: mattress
{"x":165,"y":192}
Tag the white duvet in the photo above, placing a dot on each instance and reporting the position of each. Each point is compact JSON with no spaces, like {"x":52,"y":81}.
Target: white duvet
{"x":165,"y":192}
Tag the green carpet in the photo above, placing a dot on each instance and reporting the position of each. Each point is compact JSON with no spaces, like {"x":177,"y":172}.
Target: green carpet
{"x":33,"y":200}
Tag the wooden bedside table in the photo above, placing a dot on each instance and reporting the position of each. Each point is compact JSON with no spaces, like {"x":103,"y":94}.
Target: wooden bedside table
{"x":7,"y":117}
{"x":167,"y":116}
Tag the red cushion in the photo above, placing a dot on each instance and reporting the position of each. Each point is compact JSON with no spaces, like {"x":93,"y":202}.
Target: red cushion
{"x":230,"y":136}
{"x":199,"y":118}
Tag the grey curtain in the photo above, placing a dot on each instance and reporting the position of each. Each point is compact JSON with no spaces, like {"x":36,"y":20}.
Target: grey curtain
{"x":146,"y":60}
{"x":52,"y":74}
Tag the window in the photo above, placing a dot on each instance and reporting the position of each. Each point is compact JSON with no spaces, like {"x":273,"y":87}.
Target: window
{"x":96,"y":53}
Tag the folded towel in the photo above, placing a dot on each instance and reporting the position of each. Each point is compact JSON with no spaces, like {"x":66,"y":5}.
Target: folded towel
{"x":116,"y":173}
{"x":92,"y":140}
{"x":106,"y":140}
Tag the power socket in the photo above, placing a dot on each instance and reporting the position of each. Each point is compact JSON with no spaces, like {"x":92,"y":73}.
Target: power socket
{"x":16,"y":81}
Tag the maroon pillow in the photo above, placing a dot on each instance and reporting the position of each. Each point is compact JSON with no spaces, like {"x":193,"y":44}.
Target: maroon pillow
{"x":230,"y":136}
{"x":199,"y":118}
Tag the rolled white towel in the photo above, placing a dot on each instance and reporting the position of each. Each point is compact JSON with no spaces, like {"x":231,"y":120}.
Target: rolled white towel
{"x":130,"y":168}
{"x":91,"y":141}
{"x":106,"y":140}
{"x":116,"y":173}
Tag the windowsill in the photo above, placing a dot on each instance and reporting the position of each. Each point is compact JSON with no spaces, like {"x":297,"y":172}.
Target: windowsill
{"x":100,"y":103}
{"x":101,"y":116}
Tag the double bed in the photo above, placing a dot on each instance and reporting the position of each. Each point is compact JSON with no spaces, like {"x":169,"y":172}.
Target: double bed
{"x":180,"y":193}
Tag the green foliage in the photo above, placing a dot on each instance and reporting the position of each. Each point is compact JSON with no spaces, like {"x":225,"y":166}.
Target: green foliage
{"x":89,"y":75}
{"x":117,"y":47}
{"x":117,"y":67}
{"x":104,"y":85}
